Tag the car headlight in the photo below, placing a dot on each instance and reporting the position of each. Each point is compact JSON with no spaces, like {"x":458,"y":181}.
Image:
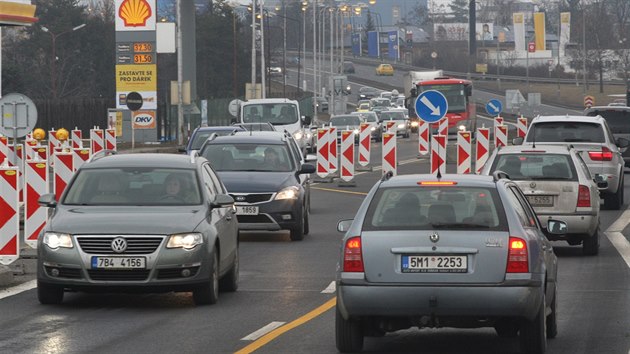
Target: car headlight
{"x":356,"y":131}
{"x":185,"y":241}
{"x":373,"y":128}
{"x":462,"y":127}
{"x":308,"y":135}
{"x":298,"y":135}
{"x":288,"y":193}
{"x":55,"y":240}
{"x":414,"y":124}
{"x":401,"y":126}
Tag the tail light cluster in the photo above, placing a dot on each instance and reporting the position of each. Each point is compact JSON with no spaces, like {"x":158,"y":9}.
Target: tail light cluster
{"x":604,"y":155}
{"x":584,"y":197}
{"x":518,"y":258}
{"x":352,"y":255}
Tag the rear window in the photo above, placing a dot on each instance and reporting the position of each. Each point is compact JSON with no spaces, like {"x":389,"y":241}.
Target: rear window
{"x":568,"y":132}
{"x":618,"y":120}
{"x":428,"y":208}
{"x":536,"y":166}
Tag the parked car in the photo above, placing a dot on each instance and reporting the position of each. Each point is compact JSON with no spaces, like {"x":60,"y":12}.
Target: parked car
{"x":402,"y":126}
{"x":592,"y":137}
{"x":367,"y":92}
{"x":558,"y":185}
{"x":618,"y":120}
{"x":199,"y":136}
{"x":385,"y":69}
{"x":266,"y":174}
{"x":461,"y":251}
{"x":372,"y":118}
{"x":347,"y":67}
{"x":140,"y":222}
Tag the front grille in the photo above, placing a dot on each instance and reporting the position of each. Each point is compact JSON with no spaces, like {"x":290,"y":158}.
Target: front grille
{"x":73,"y":273}
{"x":173,"y":273}
{"x":261,"y":219}
{"x":118,"y":275}
{"x":135,"y":245}
{"x":252,"y":198}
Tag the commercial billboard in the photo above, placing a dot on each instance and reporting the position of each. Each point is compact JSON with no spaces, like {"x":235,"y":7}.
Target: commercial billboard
{"x":135,"y":15}
{"x":459,"y":31}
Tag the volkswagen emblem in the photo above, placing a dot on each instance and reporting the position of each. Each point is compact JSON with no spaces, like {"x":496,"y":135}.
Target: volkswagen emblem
{"x":119,"y":245}
{"x":240,"y":198}
{"x":532,"y":185}
{"x":434,"y":237}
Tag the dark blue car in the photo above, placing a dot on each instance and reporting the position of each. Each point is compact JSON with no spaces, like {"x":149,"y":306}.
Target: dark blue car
{"x":200,"y":135}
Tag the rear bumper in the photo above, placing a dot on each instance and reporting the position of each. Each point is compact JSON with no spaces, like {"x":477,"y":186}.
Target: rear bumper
{"x":576,"y":223}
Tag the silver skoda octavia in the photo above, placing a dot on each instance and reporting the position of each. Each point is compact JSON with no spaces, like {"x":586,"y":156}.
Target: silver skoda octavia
{"x":456,"y":251}
{"x":140,"y":222}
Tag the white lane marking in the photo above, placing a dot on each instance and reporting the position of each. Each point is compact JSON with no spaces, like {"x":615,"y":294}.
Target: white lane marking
{"x":14,"y":290}
{"x":330,"y":289}
{"x":261,"y":332}
{"x":618,"y":239}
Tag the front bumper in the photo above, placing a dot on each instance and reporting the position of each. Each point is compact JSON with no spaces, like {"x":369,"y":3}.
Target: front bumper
{"x":274,"y":215}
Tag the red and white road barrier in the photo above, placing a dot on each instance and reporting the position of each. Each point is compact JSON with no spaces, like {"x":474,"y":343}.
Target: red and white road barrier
{"x":4,"y":149}
{"x":423,"y":137}
{"x":438,"y":154}
{"x":500,"y":135}
{"x":333,"y":159}
{"x":9,"y":215}
{"x":365,"y":143}
{"x":35,"y":216}
{"x":483,"y":148}
{"x":53,"y":142}
{"x":29,"y":148}
{"x":390,"y":126}
{"x":63,"y":171}
{"x":521,"y":127}
{"x":498,"y":121}
{"x":97,"y":140}
{"x":443,"y":127}
{"x":322,"y":152}
{"x":389,"y":153}
{"x":40,"y":153}
{"x":110,"y":139}
{"x":19,"y":163}
{"x":347,"y":155}
{"x":464,"y":149}
{"x":76,"y":136}
{"x":80,"y":156}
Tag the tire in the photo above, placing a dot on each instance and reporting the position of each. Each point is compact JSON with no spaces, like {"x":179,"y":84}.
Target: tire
{"x":533,"y":334}
{"x":49,"y":294}
{"x":348,"y":334}
{"x":229,"y":282}
{"x":615,"y":201}
{"x":552,"y":319}
{"x":306,"y":222}
{"x":208,"y":294}
{"x":590,"y":244}
{"x":297,"y":231}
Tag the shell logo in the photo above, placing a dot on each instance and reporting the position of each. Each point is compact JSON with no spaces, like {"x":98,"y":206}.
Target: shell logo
{"x":135,"y":13}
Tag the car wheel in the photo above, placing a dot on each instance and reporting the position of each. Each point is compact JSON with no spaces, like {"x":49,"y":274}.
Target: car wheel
{"x":348,"y":334}
{"x":229,"y":282}
{"x":552,"y":320}
{"x":614,"y":201}
{"x":208,"y":293}
{"x":533,"y":334}
{"x":297,"y":231}
{"x":49,"y":294}
{"x":590,"y":244}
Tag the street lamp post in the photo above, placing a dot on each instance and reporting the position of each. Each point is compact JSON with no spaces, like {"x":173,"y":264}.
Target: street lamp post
{"x":53,"y":64}
{"x":253,"y":80}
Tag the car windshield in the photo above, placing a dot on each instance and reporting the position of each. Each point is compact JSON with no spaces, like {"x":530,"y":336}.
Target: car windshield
{"x":431,"y":208}
{"x":392,"y":115}
{"x":569,"y":132}
{"x":382,"y":102}
{"x":536,"y":166}
{"x":369,"y":117}
{"x":342,"y":121}
{"x":202,"y":135}
{"x":618,"y":119}
{"x":248,"y":157}
{"x":274,"y":113}
{"x":138,"y":186}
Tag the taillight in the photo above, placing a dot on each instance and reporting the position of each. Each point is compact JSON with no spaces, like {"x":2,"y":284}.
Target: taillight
{"x":518,"y":260}
{"x":604,"y":155}
{"x":352,"y":255}
{"x":584,"y":197}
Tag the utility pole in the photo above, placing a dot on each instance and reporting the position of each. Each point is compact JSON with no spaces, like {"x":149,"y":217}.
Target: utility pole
{"x":284,"y":49}
{"x":314,"y":60}
{"x":585,"y":88}
{"x":263,"y":68}
{"x":180,"y":77}
{"x":253,"y":79}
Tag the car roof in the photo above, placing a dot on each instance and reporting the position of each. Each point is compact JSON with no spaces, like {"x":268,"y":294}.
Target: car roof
{"x":569,"y":118}
{"x":219,"y":127}
{"x":256,"y":137}
{"x":462,"y":180}
{"x":141,"y":160}
{"x":552,"y":149}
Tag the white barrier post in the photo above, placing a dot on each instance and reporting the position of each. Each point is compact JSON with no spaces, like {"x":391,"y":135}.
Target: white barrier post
{"x":347,"y":158}
{"x":29,"y":148}
{"x":110,"y":139}
{"x":423,"y":137}
{"x":9,"y":214}
{"x":4,"y":149}
{"x":500,"y":133}
{"x":389,"y":153}
{"x":443,"y":128}
{"x":322,"y":152}
{"x":40,"y":152}
{"x":53,"y":142}
{"x":19,"y":163}
{"x":521,"y":126}
{"x":35,"y":216}
{"x":97,"y":142}
{"x":497,"y":122}
{"x":438,"y":154}
{"x":483,"y":148}
{"x":365,"y":143}
{"x":464,"y":149}
{"x":63,"y":172}
{"x":77,"y":138}
{"x":333,"y":159}
{"x":80,"y":156}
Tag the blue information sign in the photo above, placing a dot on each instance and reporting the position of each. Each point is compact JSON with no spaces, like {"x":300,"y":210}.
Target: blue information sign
{"x":431,"y":106}
{"x":494,"y":107}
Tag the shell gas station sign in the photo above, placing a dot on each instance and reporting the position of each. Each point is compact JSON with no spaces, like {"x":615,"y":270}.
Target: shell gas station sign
{"x":135,"y":15}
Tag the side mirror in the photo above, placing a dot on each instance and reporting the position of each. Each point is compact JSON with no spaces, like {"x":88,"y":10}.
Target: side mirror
{"x":517,"y":141}
{"x":557,"y":227}
{"x":306,"y":120}
{"x":222,"y":201}
{"x":47,"y":200}
{"x":306,"y":169}
{"x":344,"y":225}
{"x":622,"y":142}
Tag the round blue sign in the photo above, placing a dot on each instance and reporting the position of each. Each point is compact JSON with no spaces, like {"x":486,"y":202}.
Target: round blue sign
{"x":494,"y":107}
{"x":431,"y":106}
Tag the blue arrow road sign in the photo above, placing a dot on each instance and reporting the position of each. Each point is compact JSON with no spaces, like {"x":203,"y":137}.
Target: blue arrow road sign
{"x":431,"y":106}
{"x":494,"y":107}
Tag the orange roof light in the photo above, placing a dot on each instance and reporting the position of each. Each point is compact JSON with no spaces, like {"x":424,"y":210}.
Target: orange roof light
{"x":437,"y":183}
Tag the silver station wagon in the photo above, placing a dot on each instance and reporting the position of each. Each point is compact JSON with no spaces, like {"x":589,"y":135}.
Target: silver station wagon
{"x":558,"y":185}
{"x":457,"y":251}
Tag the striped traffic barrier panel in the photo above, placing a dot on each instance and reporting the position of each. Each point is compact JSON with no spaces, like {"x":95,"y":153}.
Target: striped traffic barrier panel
{"x":29,"y":136}
{"x":443,"y":127}
{"x":4,"y":149}
{"x":500,"y":134}
{"x":9,"y":214}
{"x":389,"y":153}
{"x":390,"y":126}
{"x":438,"y":154}
{"x":63,"y":172}
{"x":322,"y":152}
{"x":29,"y":148}
{"x":97,"y":142}
{"x":53,"y":142}
{"x":19,"y":163}
{"x":365,"y":143}
{"x":464,"y":149}
{"x":423,"y":137}
{"x":35,"y":216}
{"x":333,"y":159}
{"x":498,"y":120}
{"x":347,"y":156}
{"x":76,"y":136}
{"x":40,"y":152}
{"x":521,"y":127}
{"x":483,"y":148}
{"x":110,"y":139}
{"x":80,"y":156}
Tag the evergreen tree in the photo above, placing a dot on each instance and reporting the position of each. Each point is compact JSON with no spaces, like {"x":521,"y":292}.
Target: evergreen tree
{"x":460,"y":10}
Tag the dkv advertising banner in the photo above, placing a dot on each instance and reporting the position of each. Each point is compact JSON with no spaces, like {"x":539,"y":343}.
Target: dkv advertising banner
{"x":392,"y":41}
{"x":143,"y":119}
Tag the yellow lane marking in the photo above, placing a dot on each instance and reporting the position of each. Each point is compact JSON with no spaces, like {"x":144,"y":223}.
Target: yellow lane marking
{"x":287,"y":327}
{"x":338,"y":190}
